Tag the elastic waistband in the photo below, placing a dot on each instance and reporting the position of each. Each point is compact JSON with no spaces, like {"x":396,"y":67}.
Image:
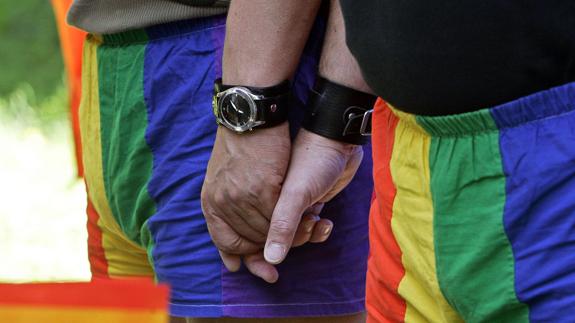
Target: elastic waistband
{"x":163,"y":31}
{"x":545,"y":104}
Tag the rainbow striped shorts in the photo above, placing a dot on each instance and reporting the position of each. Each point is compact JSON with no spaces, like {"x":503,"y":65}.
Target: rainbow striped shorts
{"x":147,"y":132}
{"x":474,"y":216}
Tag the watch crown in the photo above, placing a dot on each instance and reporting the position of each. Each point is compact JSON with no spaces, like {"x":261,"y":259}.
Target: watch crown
{"x":215,"y":105}
{"x":273,"y":107}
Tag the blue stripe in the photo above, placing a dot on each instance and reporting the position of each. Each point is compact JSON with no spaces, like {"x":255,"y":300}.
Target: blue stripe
{"x":537,"y":141}
{"x":178,"y":81}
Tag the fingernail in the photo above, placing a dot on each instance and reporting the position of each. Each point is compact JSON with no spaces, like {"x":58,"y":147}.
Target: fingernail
{"x":274,"y":252}
{"x":327,"y":230}
{"x":308,"y":226}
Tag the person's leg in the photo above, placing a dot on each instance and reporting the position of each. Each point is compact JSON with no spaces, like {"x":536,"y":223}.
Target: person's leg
{"x":469,"y":210}
{"x":510,"y":211}
{"x":110,"y":252}
{"x":401,"y":282}
{"x":152,"y":134}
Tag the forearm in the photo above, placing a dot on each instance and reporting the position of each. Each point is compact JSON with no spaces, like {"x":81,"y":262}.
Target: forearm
{"x":337,"y":64}
{"x":264,"y":40}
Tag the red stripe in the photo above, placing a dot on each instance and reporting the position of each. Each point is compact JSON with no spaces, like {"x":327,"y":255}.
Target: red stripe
{"x":385,"y":269}
{"x":96,"y":252}
{"x":123,"y":294}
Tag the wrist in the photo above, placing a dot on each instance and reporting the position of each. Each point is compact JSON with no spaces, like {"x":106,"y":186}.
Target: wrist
{"x":343,"y":148}
{"x":268,"y":139}
{"x":243,"y":108}
{"x":339,"y":113}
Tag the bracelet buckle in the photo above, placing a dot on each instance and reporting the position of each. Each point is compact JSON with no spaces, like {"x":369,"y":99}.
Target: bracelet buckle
{"x":365,"y":129}
{"x":353,"y":126}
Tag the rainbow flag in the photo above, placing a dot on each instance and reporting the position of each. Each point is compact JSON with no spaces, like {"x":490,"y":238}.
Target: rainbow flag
{"x":98,"y":301}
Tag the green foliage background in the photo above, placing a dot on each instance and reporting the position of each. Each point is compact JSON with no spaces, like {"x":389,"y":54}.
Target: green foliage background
{"x":38,"y":179}
{"x":29,"y":48}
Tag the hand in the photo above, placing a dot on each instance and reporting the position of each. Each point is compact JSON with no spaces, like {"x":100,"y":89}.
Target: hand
{"x":242,"y":186}
{"x":319,"y":169}
{"x":310,"y":229}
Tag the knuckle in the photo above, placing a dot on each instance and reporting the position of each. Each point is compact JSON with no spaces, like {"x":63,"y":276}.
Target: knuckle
{"x":300,"y":193}
{"x":235,"y":195}
{"x":203,"y":195}
{"x":235,"y":245}
{"x":207,"y":210}
{"x":255,"y":189}
{"x":282,"y":227}
{"x":224,"y":244}
{"x":219,"y":198}
{"x":297,"y":190}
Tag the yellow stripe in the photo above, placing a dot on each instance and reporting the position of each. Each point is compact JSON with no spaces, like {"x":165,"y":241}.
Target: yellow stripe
{"x":26,"y":314}
{"x":412,"y":225}
{"x":124,"y":256}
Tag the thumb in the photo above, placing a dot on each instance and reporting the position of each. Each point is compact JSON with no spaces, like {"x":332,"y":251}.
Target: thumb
{"x":285,"y":220}
{"x":316,"y":165}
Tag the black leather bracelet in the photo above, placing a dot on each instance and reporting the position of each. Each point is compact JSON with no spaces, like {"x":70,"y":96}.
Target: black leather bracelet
{"x":338,"y":112}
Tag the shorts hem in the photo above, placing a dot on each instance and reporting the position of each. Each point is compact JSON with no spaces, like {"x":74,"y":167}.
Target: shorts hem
{"x":269,"y":310}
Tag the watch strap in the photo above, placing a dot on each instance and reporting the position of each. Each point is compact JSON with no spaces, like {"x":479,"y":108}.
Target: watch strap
{"x":274,"y":110}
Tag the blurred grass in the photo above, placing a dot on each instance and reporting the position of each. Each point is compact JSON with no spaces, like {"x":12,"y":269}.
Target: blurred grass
{"x":42,"y":203}
{"x":22,"y":107}
{"x":29,"y":50}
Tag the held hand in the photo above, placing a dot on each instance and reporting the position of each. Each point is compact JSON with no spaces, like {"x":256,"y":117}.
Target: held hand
{"x":242,"y":185}
{"x":319,"y":169}
{"x":310,"y":229}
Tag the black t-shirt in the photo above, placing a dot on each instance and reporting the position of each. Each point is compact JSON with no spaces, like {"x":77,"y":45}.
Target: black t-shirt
{"x":452,"y":56}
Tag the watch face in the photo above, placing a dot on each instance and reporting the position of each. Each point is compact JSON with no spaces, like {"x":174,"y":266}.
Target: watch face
{"x":237,"y":110}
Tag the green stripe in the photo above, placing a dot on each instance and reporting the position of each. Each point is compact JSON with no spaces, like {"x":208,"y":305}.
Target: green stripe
{"x":475,"y":265}
{"x":127,"y":159}
{"x":122,"y":38}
